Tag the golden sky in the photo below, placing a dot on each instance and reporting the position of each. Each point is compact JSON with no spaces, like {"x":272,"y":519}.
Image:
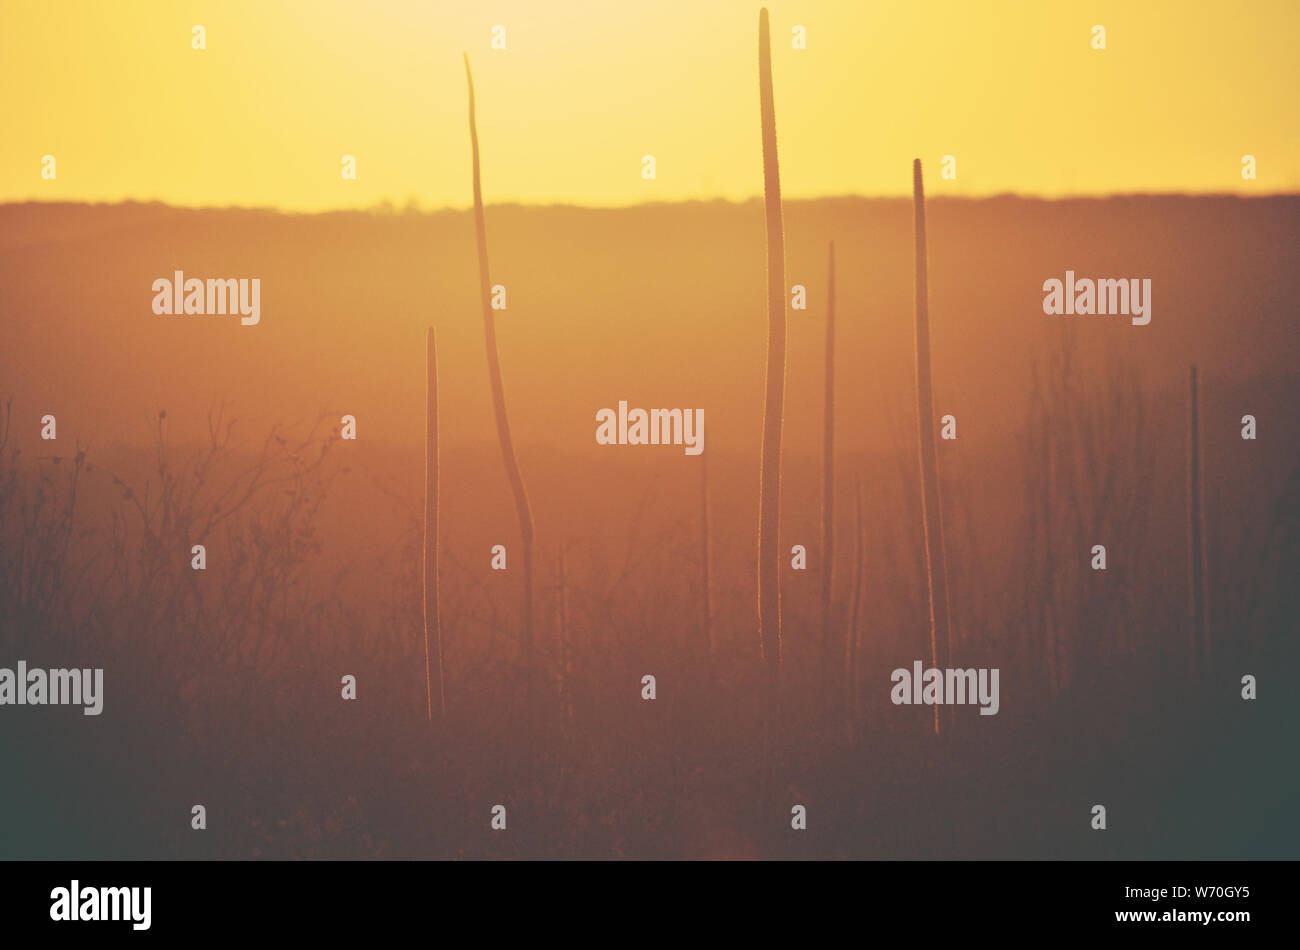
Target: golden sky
{"x":585,"y":88}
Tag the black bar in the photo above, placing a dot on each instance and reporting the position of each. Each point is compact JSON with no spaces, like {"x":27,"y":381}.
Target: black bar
{"x":481,"y":900}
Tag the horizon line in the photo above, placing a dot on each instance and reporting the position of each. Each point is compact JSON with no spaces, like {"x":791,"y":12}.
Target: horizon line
{"x":387,"y":207}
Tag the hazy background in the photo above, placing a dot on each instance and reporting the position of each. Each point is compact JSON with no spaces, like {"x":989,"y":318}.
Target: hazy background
{"x":223,"y":687}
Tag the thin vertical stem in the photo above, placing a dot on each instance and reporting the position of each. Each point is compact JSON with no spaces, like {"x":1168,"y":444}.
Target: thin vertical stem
{"x":851,"y":636}
{"x":769,"y":580}
{"x":1196,"y":606}
{"x":432,"y":610}
{"x":499,"y":404}
{"x":936,"y":566}
{"x":1049,"y":565}
{"x":707,"y":606}
{"x":562,"y":632}
{"x":828,"y":479}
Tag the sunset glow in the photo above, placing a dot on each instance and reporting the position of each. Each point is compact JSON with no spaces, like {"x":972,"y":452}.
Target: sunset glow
{"x":584,"y":89}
